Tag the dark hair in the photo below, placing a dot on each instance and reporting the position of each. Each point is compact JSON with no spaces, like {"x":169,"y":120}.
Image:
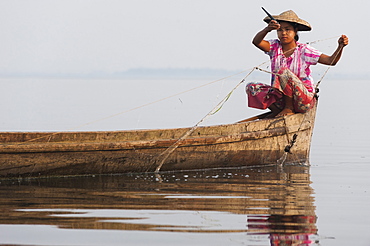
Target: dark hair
{"x":295,"y":26}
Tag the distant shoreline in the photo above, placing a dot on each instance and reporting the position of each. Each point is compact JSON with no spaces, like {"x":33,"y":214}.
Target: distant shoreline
{"x":163,"y":73}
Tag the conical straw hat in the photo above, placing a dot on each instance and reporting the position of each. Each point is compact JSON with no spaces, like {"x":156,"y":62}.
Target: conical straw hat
{"x":290,"y":16}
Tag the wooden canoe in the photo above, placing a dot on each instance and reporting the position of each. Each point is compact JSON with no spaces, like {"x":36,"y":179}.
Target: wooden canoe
{"x":247,"y":143}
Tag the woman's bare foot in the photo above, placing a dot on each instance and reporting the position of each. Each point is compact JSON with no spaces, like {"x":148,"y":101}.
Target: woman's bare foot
{"x":271,"y":115}
{"x":289,"y":107}
{"x":274,"y":111}
{"x":285,"y":111}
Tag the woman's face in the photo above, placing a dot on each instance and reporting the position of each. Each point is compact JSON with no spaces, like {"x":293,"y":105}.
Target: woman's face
{"x":286,"y":33}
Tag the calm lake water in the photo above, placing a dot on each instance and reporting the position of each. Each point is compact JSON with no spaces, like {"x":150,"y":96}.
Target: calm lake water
{"x":324,"y":204}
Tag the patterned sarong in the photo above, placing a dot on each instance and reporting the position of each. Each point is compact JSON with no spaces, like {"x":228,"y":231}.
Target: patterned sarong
{"x":262,"y":96}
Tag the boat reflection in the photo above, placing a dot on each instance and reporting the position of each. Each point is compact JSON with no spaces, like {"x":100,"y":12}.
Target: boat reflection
{"x":270,"y":204}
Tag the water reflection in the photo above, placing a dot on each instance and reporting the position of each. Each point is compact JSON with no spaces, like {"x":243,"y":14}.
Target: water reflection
{"x":269,"y":205}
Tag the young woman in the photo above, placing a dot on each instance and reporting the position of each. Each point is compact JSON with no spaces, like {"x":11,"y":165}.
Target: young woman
{"x":292,"y":87}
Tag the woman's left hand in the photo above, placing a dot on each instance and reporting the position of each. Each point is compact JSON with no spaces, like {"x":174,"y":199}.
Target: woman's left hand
{"x":343,"y":40}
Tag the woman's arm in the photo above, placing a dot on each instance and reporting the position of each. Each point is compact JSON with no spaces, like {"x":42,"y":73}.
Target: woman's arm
{"x":335,"y":57}
{"x":259,"y":41}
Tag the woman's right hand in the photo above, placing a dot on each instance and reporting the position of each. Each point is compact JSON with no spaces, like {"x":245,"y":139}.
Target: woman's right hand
{"x":273,"y":25}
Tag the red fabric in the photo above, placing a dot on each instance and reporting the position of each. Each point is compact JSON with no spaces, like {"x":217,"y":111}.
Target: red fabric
{"x":262,"y":96}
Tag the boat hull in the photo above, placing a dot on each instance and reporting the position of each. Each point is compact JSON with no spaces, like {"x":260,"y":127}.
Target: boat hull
{"x":259,"y":142}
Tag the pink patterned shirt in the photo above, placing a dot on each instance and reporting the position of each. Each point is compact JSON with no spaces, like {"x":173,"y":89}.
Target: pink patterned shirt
{"x":299,"y":62}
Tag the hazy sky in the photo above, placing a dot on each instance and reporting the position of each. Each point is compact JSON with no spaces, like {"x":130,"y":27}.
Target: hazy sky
{"x":83,"y":36}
